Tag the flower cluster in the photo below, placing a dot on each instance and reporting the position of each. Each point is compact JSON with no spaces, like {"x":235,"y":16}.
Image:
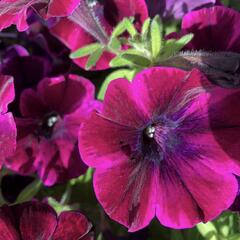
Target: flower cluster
{"x":117,"y":92}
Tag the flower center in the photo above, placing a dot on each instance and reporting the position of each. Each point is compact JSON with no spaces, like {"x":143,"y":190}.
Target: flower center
{"x":86,"y":17}
{"x":46,"y":125}
{"x":159,"y":140}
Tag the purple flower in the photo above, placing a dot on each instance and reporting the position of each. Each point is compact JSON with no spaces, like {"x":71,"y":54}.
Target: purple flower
{"x":16,"y":11}
{"x":154,"y":149}
{"x":8,"y":130}
{"x":47,"y":133}
{"x":176,"y":8}
{"x":36,"y":220}
{"x":92,"y":23}
{"x":214,"y":23}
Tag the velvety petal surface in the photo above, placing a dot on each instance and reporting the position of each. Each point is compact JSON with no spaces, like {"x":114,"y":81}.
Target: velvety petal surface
{"x":8,"y":135}
{"x":111,"y":141}
{"x":37,"y":221}
{"x":7,"y":224}
{"x":65,"y":94}
{"x":214,"y":23}
{"x":133,"y":193}
{"x":61,"y":8}
{"x":72,"y":225}
{"x":75,"y":37}
{"x":6,"y":92}
{"x":14,"y":12}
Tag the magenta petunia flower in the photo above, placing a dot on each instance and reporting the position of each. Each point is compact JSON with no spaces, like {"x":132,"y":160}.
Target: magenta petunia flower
{"x":176,"y":8}
{"x":16,"y":11}
{"x":47,"y":133}
{"x":8,"y":130}
{"x":214,"y":23}
{"x":93,"y":22}
{"x":155,"y":152}
{"x":36,"y":220}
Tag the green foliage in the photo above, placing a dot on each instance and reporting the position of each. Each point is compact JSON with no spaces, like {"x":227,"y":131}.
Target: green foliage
{"x":29,"y":192}
{"x":121,"y":73}
{"x":85,"y":51}
{"x":156,"y":36}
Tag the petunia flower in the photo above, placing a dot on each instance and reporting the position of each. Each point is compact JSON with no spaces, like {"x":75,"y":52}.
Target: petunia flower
{"x":176,"y":9}
{"x":215,"y":55}
{"x":214,"y":23}
{"x":48,"y":130}
{"x":8,"y":130}
{"x":36,"y":220}
{"x":155,"y":152}
{"x":16,"y":11}
{"x":93,"y":22}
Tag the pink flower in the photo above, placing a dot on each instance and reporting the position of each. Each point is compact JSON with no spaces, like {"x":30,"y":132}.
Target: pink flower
{"x":214,"y":23}
{"x":155,"y":152}
{"x":217,"y":56}
{"x":47,"y":133}
{"x":8,"y":130}
{"x":16,"y":11}
{"x":36,"y":220}
{"x":91,"y":23}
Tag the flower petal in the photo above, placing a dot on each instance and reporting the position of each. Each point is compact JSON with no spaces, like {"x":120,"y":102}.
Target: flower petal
{"x":37,"y":220}
{"x":61,"y":8}
{"x":72,"y":225}
{"x":8,"y":135}
{"x":31,"y":104}
{"x":6,"y":92}
{"x":132,"y":198}
{"x":7,"y":224}
{"x":74,"y":37}
{"x":65,"y":95}
{"x":110,"y":140}
{"x":163,"y":88}
{"x":213,"y":22}
{"x":127,"y":111}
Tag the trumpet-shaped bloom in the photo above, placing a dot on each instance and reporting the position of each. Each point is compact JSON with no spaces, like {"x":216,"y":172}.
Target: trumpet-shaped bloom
{"x":155,"y":152}
{"x":214,"y":23}
{"x":47,"y":133}
{"x":176,"y":8}
{"x":36,"y":220}
{"x":94,"y":22}
{"x":16,"y":11}
{"x":8,"y":130}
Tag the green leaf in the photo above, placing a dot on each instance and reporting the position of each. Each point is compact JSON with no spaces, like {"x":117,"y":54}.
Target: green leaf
{"x":124,"y":25}
{"x":156,"y":36}
{"x":85,"y":51}
{"x":93,"y":58}
{"x":184,"y":40}
{"x":122,"y":73}
{"x":145,"y":29}
{"x":136,"y":59}
{"x":29,"y":192}
{"x":119,"y":62}
{"x":208,"y":230}
{"x":114,"y":44}
{"x":173,"y":46}
{"x":234,"y":237}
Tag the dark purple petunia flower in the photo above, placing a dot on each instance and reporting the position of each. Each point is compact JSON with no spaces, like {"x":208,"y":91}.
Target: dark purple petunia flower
{"x":16,"y":11}
{"x":36,"y":220}
{"x":217,"y":56}
{"x":8,"y":129}
{"x":47,"y":133}
{"x":176,"y":9}
{"x":209,"y":25}
{"x":93,"y":21}
{"x":155,"y":152}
